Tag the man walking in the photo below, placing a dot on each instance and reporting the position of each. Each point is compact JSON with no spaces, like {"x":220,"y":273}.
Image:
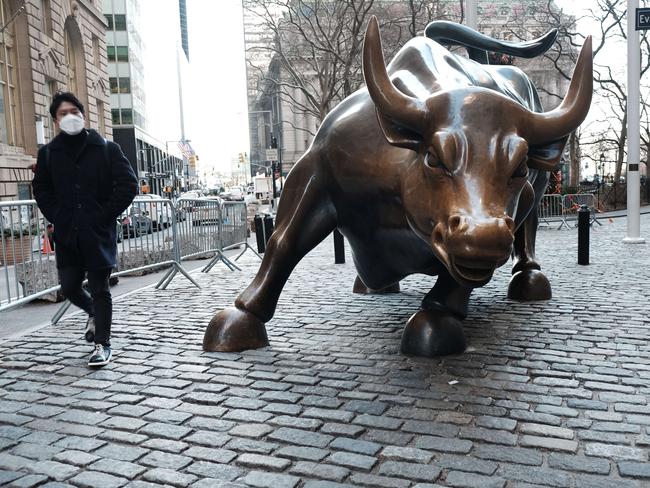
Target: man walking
{"x":82,"y":184}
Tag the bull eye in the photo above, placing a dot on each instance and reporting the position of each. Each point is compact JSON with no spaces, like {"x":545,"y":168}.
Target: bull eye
{"x":433,"y":162}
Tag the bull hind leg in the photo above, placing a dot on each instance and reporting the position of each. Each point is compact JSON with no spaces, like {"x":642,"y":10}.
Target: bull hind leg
{"x":528,"y":283}
{"x":360,"y":288}
{"x":437,"y":329}
{"x":305,"y":217}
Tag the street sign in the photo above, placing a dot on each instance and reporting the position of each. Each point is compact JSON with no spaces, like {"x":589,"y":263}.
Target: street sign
{"x":271,"y":154}
{"x":642,"y":19}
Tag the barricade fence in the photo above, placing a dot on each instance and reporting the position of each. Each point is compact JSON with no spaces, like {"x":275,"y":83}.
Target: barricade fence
{"x":151,"y":233}
{"x":554,"y":208}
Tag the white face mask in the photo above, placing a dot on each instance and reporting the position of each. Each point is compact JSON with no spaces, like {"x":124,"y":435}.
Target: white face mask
{"x":72,"y":124}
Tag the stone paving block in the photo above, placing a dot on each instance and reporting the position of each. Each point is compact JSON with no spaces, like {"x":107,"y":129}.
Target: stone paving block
{"x":488,"y":435}
{"x":55,"y":470}
{"x":215,"y":470}
{"x":619,"y":453}
{"x":78,"y":458}
{"x":634,"y":469}
{"x":29,"y":481}
{"x":210,"y":454}
{"x":121,"y":453}
{"x":591,"y":481}
{"x":161,"y":459}
{"x":408,"y":454}
{"x":410,"y":471}
{"x":352,"y":460}
{"x":302,"y":453}
{"x":548,"y":443}
{"x":470,"y":480}
{"x":261,"y":479}
{"x":168,"y":477}
{"x":319,"y":470}
{"x":300,"y":437}
{"x":357,"y":446}
{"x":515,"y":455}
{"x":7,"y":476}
{"x":93,"y":479}
{"x":296,"y":422}
{"x":463,"y":463}
{"x":263,"y":462}
{"x":443,"y":444}
{"x":546,"y":430}
{"x":118,"y":468}
{"x":378,"y":481}
{"x":579,"y":463}
{"x":251,"y":445}
{"x":167,"y":431}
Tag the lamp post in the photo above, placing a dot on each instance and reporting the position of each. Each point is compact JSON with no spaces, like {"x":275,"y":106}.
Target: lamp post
{"x":187,"y":173}
{"x":601,"y":168}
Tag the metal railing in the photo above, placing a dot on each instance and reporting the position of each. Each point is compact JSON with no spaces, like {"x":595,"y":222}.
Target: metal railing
{"x":555,"y":208}
{"x":151,"y":233}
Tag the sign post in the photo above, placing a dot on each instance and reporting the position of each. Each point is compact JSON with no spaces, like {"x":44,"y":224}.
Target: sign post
{"x":633,"y":130}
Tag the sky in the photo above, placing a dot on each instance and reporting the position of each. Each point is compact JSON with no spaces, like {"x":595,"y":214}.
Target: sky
{"x":217,"y":108}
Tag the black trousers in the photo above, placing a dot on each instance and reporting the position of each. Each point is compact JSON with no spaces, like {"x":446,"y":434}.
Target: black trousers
{"x":98,"y":304}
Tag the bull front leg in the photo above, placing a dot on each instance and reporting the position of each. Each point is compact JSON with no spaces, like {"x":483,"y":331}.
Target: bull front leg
{"x":437,"y":329}
{"x":528,"y":283}
{"x":305,"y":217}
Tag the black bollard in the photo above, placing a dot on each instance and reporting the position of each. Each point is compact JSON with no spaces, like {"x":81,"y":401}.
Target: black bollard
{"x":268,"y":228}
{"x":339,"y":248}
{"x":583,"y":234}
{"x":259,"y":233}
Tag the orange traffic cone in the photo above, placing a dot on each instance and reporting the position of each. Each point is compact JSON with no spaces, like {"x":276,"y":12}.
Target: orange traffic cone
{"x":47,"y":247}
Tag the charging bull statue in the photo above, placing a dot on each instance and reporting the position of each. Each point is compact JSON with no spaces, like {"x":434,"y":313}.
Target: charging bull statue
{"x":437,"y":167}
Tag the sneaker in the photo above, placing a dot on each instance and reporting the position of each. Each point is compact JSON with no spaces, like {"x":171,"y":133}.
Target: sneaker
{"x":89,"y":333}
{"x":100,"y":357}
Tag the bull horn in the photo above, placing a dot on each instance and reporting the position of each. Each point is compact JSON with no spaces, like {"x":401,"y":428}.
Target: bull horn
{"x":391,"y":102}
{"x":558,"y":123}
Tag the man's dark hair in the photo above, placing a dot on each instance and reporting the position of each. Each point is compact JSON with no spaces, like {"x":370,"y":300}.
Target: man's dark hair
{"x":60,"y":97}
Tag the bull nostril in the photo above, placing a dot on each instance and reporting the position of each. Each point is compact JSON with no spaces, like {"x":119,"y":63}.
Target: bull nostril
{"x":437,"y":236}
{"x":454,"y":222}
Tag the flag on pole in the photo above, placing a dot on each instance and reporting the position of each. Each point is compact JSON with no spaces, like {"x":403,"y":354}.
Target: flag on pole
{"x":186,"y":149}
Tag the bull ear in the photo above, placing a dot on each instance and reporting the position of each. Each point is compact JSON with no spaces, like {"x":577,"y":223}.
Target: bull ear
{"x":546,"y":157}
{"x":397,"y":134}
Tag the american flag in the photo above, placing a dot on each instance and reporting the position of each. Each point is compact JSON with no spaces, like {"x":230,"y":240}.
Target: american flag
{"x":186,"y":149}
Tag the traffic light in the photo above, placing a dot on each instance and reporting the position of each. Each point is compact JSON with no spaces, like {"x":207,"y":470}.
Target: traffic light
{"x":192,"y":161}
{"x":241,"y":157}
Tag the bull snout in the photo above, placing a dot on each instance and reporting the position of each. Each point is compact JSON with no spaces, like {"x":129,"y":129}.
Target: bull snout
{"x":475,"y":247}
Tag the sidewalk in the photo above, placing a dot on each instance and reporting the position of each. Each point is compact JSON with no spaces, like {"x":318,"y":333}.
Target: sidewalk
{"x":548,"y":394}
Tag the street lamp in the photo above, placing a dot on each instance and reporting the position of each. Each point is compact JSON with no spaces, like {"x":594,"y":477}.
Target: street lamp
{"x":187,"y":173}
{"x":601,"y":168}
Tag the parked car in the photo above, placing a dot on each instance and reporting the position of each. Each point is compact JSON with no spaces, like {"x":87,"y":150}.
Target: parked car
{"x":234,"y":194}
{"x":206,"y":211}
{"x":134,"y":222}
{"x":158,"y":211}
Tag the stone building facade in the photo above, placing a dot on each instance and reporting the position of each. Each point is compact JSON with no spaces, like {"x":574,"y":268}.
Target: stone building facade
{"x":47,"y":46}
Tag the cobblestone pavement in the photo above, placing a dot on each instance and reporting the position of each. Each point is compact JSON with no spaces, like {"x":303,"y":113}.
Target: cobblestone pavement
{"x":548,"y":394}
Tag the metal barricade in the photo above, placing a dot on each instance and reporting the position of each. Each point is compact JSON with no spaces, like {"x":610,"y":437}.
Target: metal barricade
{"x":147,"y":233}
{"x":27,"y":264}
{"x":550,"y":209}
{"x":233,"y":231}
{"x":572,"y":203}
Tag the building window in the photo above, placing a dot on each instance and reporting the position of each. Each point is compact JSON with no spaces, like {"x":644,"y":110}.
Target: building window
{"x":96,"y":51}
{"x":115,"y":116}
{"x":47,"y":17}
{"x":127,"y":116}
{"x":120,"y":22}
{"x":109,"y":20}
{"x":113,"y":84}
{"x":70,"y":61}
{"x":125,"y":85}
{"x":122,"y":53}
{"x":100,"y":116}
{"x":10,"y":132}
{"x":49,"y":91}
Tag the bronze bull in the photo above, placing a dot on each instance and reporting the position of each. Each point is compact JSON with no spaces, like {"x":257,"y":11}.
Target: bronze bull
{"x":437,"y":167}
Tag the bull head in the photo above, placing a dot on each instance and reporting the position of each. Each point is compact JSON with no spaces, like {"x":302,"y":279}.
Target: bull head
{"x":472,"y":155}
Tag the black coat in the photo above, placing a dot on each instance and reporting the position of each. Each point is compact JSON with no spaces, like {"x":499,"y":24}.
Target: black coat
{"x":83,"y":196}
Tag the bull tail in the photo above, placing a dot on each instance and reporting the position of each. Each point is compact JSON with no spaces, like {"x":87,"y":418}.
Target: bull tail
{"x":478,"y":45}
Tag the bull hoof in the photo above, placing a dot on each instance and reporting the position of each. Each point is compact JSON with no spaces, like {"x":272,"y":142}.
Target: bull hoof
{"x":234,"y":330}
{"x":430,"y":334}
{"x":360,"y":288}
{"x":529,"y":285}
